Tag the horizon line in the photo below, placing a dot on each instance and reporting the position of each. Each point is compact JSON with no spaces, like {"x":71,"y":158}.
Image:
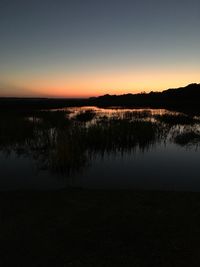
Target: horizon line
{"x":92,"y":96}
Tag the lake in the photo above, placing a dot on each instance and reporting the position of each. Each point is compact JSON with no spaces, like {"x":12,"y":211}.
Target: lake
{"x":90,"y":147}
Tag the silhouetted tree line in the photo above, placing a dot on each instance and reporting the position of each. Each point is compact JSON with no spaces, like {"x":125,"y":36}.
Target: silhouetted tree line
{"x":184,"y":98}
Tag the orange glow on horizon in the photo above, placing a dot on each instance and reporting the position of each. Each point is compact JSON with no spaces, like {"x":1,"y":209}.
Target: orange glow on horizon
{"x":84,"y":85}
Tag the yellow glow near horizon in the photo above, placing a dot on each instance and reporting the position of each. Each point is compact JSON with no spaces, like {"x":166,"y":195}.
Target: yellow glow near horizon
{"x":84,"y":85}
{"x":87,"y":48}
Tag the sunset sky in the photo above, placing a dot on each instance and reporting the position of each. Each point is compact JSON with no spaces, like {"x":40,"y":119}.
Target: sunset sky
{"x":81,"y":48}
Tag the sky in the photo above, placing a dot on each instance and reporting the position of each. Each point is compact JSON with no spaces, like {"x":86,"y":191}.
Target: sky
{"x":82,"y":48}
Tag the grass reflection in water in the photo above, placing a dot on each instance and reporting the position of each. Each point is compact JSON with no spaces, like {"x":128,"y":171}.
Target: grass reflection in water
{"x":66,"y":144}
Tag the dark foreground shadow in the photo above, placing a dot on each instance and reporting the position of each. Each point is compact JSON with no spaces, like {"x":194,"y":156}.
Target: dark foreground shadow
{"x":99,"y":228}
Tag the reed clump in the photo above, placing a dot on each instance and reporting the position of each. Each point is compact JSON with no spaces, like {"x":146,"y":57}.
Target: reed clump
{"x":85,"y":116}
{"x":187,"y":138}
{"x":172,"y":119}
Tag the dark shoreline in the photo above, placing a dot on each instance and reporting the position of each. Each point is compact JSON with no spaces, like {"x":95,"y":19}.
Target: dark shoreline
{"x":76,"y":227}
{"x":185,"y":99}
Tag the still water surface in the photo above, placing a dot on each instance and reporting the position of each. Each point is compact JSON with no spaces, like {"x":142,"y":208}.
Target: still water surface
{"x":163,"y":164}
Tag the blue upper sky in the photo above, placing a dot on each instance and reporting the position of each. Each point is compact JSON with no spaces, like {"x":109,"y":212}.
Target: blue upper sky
{"x":90,"y":47}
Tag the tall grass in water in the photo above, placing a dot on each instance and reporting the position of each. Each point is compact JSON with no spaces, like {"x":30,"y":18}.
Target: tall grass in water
{"x":18,"y":132}
{"x":113,"y":135}
{"x":74,"y":147}
{"x":85,"y":116}
{"x":187,"y":138}
{"x":180,"y":119}
{"x":15,"y":131}
{"x":132,"y":115}
{"x":68,"y":154}
{"x":59,"y":119}
{"x":65,"y":145}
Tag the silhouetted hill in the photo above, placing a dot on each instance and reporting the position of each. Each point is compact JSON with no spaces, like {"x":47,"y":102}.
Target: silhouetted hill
{"x":187,"y":97}
{"x":178,"y":98}
{"x":190,"y":89}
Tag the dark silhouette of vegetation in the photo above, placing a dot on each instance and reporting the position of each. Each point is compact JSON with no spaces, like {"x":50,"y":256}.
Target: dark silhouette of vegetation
{"x":63,"y":143}
{"x":188,"y":138}
{"x":180,"y":119}
{"x":85,"y":116}
{"x":46,"y":223}
{"x":121,"y":134}
{"x":68,"y":154}
{"x":184,"y":98}
{"x":132,"y":115}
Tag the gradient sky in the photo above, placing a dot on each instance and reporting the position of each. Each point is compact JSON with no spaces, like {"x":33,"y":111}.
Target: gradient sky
{"x":81,"y":48}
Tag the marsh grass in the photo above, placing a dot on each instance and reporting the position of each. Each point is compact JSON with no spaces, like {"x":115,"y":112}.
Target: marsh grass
{"x":14,"y":129}
{"x":180,"y":119}
{"x":187,"y":138}
{"x":120,"y":134}
{"x":59,"y":119}
{"x":74,"y":147}
{"x":68,"y":153}
{"x":85,"y":116}
{"x":65,"y":144}
{"x":132,"y":115}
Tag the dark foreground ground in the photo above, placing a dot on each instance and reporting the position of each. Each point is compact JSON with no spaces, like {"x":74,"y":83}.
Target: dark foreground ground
{"x":99,"y":228}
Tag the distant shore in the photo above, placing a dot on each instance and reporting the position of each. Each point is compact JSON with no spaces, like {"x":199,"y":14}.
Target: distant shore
{"x":184,"y":98}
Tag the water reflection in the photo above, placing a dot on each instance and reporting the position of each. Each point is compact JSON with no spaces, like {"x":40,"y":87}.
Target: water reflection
{"x":68,"y":143}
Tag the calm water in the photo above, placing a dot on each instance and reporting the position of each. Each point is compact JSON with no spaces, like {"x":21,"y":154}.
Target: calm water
{"x":158,"y":162}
